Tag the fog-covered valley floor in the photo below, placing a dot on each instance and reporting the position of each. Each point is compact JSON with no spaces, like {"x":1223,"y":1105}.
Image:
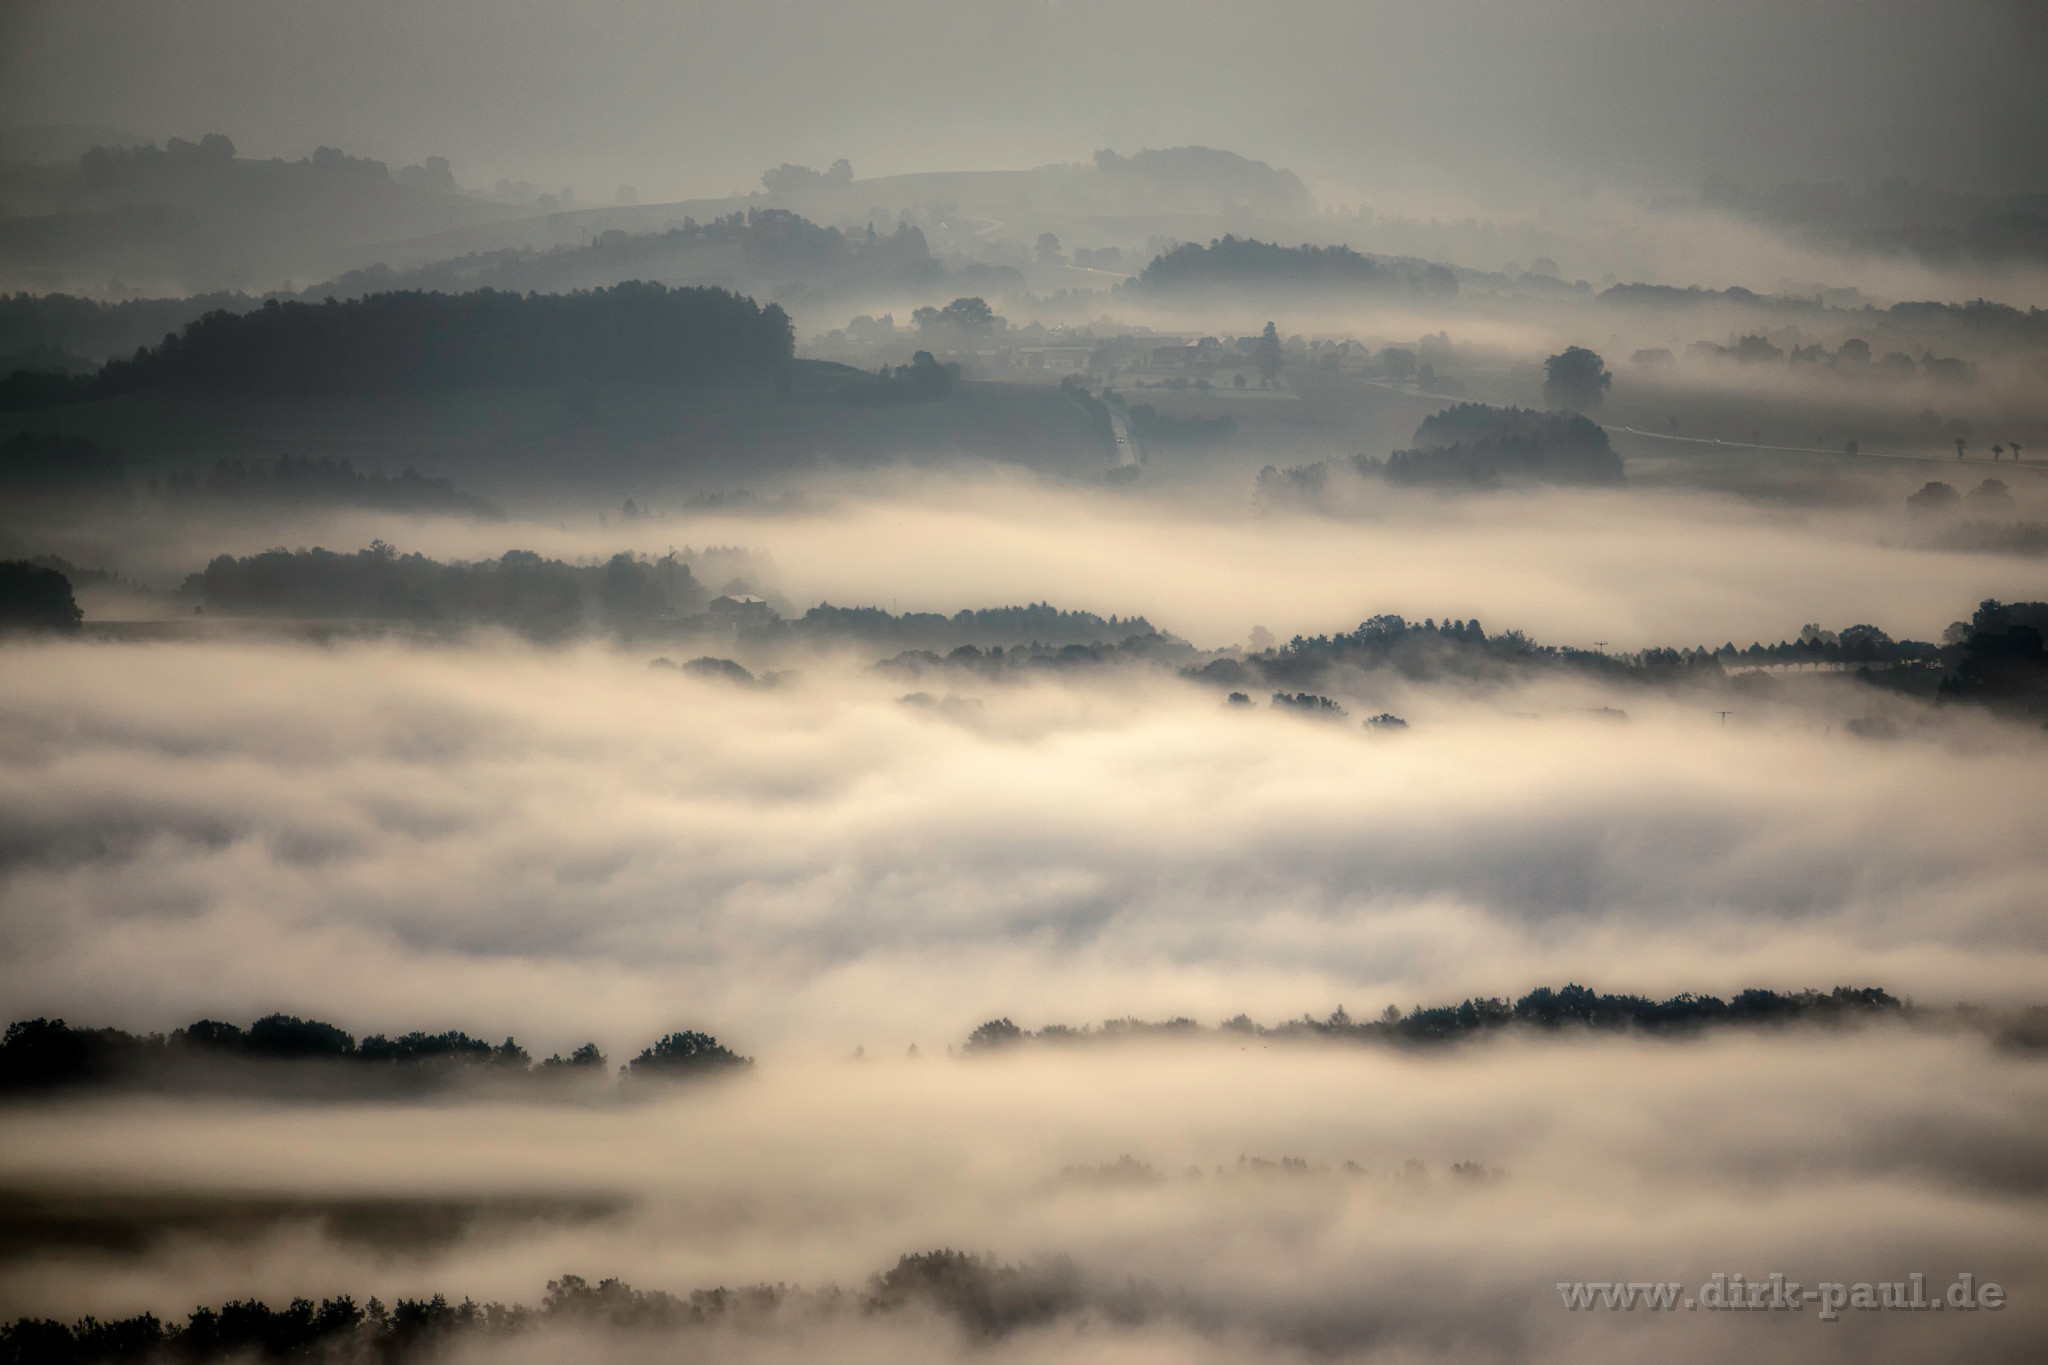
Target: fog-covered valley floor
{"x":854,"y":856}
{"x":1159,"y":684}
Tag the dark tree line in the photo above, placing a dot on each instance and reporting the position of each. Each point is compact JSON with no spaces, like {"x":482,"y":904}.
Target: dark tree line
{"x":1542,"y":1009}
{"x":773,"y":242}
{"x":1232,"y":262}
{"x":629,"y":333}
{"x":985,"y":1298}
{"x":519,"y":590}
{"x":987,"y":627}
{"x":1472,"y":443}
{"x":55,"y":331}
{"x":1430,"y":650}
{"x":42,"y":1055}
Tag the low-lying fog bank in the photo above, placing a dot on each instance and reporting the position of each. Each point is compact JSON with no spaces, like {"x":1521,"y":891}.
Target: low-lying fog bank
{"x":572,"y":846}
{"x":1212,"y":1197}
{"x":1633,"y":567}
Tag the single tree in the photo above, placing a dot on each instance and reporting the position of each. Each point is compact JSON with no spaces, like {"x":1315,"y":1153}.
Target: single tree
{"x":1959,"y":447}
{"x":1578,"y":379}
{"x":1266,"y":351}
{"x":36,"y":598}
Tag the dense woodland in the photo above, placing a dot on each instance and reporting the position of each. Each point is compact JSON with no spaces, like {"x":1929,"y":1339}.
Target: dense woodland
{"x":986,"y":627}
{"x":630,"y":333}
{"x":519,"y":590}
{"x":1232,"y":262}
{"x":1473,"y":444}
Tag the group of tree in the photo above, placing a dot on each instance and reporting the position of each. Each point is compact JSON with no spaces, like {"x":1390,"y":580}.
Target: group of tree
{"x":998,"y":662}
{"x":923,"y":380}
{"x":1237,"y":263}
{"x":983,"y":1298}
{"x":38,"y":1056}
{"x":1207,"y":178}
{"x":978,"y":629}
{"x":518,"y":590}
{"x":777,"y":246}
{"x":36,"y":598}
{"x":1543,"y":1009}
{"x":148,"y":167}
{"x":1430,"y":651}
{"x":384,"y":343}
{"x":2003,"y":662}
{"x":1991,"y":495}
{"x":788,"y":179}
{"x":962,"y":322}
{"x":1474,"y":445}
{"x":1853,"y":359}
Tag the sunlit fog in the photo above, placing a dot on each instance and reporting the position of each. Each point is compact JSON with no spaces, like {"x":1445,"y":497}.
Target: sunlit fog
{"x":983,"y":685}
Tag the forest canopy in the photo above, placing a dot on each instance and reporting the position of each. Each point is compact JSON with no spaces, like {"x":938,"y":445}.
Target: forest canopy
{"x":630,"y":333}
{"x":1232,"y":261}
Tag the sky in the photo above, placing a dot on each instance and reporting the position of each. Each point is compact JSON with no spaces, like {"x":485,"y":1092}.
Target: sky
{"x":1472,"y":100}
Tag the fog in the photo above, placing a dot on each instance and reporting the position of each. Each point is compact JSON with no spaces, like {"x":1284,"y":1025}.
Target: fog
{"x":1138,"y":683}
{"x":1823,"y":1157}
{"x":692,"y":100}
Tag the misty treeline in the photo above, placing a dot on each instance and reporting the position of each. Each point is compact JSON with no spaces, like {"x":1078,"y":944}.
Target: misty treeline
{"x":1996,"y":658}
{"x":789,"y":179}
{"x":183,"y":165}
{"x":985,"y":627}
{"x":1226,"y":176}
{"x":1896,"y":216}
{"x":773,"y":243}
{"x":38,"y":1056}
{"x":66,"y":333}
{"x":526,"y":592}
{"x":1430,"y":651}
{"x":1543,"y":1009}
{"x":55,"y":474}
{"x":410,"y":341}
{"x":1471,"y":445}
{"x":982,"y":1297}
{"x":519,"y":590}
{"x":1233,"y":263}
